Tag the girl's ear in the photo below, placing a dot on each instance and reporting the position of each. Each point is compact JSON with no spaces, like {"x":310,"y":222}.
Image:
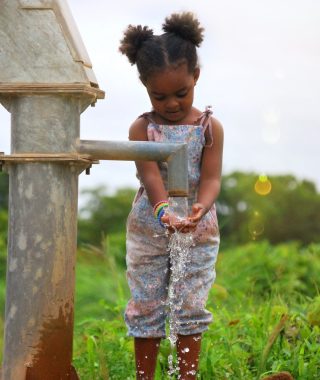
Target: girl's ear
{"x":196,"y":74}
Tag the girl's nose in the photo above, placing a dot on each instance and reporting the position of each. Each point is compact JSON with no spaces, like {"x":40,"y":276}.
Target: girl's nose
{"x":172,"y":104}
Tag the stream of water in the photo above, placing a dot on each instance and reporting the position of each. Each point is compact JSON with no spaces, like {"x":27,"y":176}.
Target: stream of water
{"x":179,"y":251}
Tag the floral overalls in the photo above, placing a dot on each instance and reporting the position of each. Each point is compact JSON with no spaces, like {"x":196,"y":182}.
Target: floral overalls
{"x":147,"y":255}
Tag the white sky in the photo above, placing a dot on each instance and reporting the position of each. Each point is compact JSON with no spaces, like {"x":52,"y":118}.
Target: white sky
{"x":260,"y":71}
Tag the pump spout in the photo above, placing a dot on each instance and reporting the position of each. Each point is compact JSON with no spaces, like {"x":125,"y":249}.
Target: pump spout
{"x":174,"y":154}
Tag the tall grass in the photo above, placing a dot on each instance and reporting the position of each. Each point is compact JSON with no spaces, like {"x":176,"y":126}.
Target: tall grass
{"x":265,"y":303}
{"x":266,"y":307}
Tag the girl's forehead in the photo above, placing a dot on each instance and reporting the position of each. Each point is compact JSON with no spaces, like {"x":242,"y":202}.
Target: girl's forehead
{"x":172,"y":78}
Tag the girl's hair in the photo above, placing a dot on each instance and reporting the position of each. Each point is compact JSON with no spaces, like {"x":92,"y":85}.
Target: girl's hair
{"x":176,"y":46}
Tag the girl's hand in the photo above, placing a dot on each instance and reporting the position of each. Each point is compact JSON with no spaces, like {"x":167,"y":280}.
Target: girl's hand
{"x":185,"y":225}
{"x":174,"y":224}
{"x":197,"y":212}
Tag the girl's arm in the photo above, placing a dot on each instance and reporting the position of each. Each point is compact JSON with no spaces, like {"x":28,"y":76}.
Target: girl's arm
{"x":210,"y":177}
{"x":149,"y":172}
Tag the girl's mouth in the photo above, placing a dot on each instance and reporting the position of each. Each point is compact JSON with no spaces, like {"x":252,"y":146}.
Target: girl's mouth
{"x":173,"y":113}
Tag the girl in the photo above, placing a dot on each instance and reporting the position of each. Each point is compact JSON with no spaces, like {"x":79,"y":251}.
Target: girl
{"x":169,"y":70}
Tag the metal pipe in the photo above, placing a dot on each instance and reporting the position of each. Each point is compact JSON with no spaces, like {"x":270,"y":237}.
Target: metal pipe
{"x":178,"y":173}
{"x":175,"y":154}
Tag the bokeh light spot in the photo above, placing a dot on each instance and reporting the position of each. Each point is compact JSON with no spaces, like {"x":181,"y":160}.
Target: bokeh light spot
{"x":256,"y":225}
{"x":263,"y":185}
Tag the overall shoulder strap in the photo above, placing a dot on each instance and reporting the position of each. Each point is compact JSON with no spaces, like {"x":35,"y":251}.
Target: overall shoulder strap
{"x":153,"y":131}
{"x":148,"y":116}
{"x":206,"y":123}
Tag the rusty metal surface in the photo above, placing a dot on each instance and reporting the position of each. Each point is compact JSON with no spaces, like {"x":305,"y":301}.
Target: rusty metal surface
{"x":55,"y":343}
{"x":43,"y":157}
{"x":178,"y":173}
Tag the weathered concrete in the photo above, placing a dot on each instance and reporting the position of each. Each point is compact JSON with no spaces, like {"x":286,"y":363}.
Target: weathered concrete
{"x":46,"y":81}
{"x":42,"y":241}
{"x":40,"y":43}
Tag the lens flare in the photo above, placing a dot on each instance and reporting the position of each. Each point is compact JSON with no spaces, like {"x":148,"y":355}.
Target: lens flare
{"x":263,"y":185}
{"x":256,"y":225}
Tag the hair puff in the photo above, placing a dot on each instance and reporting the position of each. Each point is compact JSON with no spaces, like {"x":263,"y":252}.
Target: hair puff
{"x":184,"y":25}
{"x":133,"y":39}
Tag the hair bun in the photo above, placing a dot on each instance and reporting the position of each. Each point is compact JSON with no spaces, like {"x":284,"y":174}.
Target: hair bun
{"x":133,"y":39}
{"x":184,"y":25}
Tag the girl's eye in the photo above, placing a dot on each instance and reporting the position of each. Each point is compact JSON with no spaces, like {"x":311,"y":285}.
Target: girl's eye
{"x":159,"y":98}
{"x":182,"y":94}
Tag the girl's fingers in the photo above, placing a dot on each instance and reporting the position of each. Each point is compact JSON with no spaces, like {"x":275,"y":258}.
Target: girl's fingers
{"x":165,"y":219}
{"x":195,"y":218}
{"x":186,"y":225}
{"x":198,"y":210}
{"x":181,"y":226}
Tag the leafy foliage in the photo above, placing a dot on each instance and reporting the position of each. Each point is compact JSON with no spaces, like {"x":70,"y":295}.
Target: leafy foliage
{"x":290,"y":211}
{"x":104,"y":214}
{"x":3,"y":257}
{"x":4,"y":190}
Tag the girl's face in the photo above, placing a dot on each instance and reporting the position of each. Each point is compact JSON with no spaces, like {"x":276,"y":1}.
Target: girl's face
{"x":171,"y":92}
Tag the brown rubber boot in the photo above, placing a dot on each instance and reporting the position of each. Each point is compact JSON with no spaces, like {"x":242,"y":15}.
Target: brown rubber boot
{"x":188,"y":352}
{"x":146,"y":352}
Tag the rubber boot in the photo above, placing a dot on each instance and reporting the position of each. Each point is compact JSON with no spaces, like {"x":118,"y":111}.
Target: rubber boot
{"x":188,"y":352}
{"x":146,"y":352}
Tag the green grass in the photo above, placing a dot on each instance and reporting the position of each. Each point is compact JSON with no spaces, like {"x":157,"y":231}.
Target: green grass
{"x":101,"y":281}
{"x":266,"y":307}
{"x":265,"y":303}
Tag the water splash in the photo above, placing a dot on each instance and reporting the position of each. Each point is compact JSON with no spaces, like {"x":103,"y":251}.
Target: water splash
{"x":178,"y":208}
{"x":179,"y":251}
